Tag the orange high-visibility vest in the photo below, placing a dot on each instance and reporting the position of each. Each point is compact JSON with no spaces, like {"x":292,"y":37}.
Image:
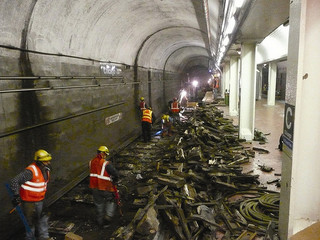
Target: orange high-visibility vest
{"x":175,"y":107}
{"x":34,"y":190}
{"x":216,"y":83}
{"x":99,"y":177}
{"x":147,"y":116}
{"x":142,"y":105}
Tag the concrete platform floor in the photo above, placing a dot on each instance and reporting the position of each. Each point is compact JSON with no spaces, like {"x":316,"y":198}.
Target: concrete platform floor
{"x":268,"y":120}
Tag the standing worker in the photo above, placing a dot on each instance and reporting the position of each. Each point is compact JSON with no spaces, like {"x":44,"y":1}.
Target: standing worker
{"x":29,"y":188}
{"x":215,"y":86}
{"x":175,"y":110}
{"x":103,"y":176}
{"x":142,"y":104}
{"x":146,"y":121}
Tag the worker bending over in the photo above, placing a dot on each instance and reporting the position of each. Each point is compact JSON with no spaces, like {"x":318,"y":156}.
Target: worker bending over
{"x":166,"y":125}
{"x":29,"y":188}
{"x":103,"y":177}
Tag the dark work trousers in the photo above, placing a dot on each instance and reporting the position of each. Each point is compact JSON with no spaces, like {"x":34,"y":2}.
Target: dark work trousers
{"x":146,"y":131}
{"x":36,"y":219}
{"x":105,"y":205}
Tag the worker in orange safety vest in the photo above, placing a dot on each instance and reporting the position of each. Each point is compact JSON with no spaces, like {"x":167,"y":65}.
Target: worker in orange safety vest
{"x":142,"y":104}
{"x":29,"y":189}
{"x":103,"y":176}
{"x":215,"y":86}
{"x":147,"y":120}
{"x":175,"y":110}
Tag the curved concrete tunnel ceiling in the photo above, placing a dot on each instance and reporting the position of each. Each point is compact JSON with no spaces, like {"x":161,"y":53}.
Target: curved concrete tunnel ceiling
{"x":115,"y":30}
{"x":199,"y":61}
{"x":158,"y":48}
{"x":181,"y":58}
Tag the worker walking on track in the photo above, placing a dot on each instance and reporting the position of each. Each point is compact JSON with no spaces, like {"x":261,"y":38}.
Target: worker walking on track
{"x":147,"y":120}
{"x":29,"y":188}
{"x":103,"y":177}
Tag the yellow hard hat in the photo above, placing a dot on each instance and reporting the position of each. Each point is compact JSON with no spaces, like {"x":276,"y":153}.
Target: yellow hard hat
{"x":42,"y":155}
{"x":165,"y":117}
{"x":103,"y":149}
{"x":142,"y":98}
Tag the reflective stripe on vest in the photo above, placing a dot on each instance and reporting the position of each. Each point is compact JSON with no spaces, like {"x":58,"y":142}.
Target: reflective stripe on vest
{"x":99,"y":177}
{"x":35,"y":189}
{"x":147,"y":116}
{"x":175,"y":107}
{"x":142,"y":106}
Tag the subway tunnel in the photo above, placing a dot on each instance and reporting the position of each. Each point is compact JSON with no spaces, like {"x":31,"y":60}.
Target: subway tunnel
{"x":72,"y":72}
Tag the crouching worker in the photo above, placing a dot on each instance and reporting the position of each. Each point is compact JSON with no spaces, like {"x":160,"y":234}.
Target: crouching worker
{"x":103,"y":176}
{"x":29,"y":188}
{"x":166,"y":125}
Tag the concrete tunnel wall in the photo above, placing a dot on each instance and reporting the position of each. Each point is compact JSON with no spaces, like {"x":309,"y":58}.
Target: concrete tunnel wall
{"x":65,"y":110}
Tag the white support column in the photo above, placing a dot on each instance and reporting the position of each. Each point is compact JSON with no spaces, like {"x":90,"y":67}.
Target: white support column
{"x":234,"y":86}
{"x":300,"y":185}
{"x":226,"y":78}
{"x":272,"y":80}
{"x":247,"y":91}
{"x":259,"y":83}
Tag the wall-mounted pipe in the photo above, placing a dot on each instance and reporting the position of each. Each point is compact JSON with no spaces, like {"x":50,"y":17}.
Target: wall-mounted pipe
{"x":58,"y":120}
{"x":71,"y":56}
{"x":68,"y":87}
{"x":57,"y":77}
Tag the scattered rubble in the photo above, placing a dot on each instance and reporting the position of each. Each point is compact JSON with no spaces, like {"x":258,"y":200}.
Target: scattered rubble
{"x":189,"y":181}
{"x":189,"y":186}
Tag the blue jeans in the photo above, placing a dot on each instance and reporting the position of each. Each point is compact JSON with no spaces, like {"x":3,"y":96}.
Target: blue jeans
{"x":105,"y":205}
{"x":36,"y":220}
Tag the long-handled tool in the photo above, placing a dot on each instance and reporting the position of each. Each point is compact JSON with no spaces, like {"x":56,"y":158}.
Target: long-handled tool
{"x":117,"y":198}
{"x":19,"y":211}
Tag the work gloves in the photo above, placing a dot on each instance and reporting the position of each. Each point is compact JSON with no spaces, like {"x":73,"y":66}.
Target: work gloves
{"x":16,"y":200}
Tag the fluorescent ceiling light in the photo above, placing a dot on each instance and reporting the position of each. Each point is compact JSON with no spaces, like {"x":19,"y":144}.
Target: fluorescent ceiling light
{"x":231,"y":25}
{"x":225,"y":41}
{"x":238,"y":3}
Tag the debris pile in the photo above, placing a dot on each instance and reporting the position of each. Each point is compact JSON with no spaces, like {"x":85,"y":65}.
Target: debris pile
{"x":191,"y":185}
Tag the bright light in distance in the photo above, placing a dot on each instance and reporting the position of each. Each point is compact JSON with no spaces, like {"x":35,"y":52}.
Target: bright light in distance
{"x":209,"y":81}
{"x":195,"y":83}
{"x":183,"y":93}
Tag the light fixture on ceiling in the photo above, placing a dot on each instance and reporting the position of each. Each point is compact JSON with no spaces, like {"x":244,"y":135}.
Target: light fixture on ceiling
{"x":238,"y":3}
{"x":231,"y":25}
{"x":233,"y":10}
